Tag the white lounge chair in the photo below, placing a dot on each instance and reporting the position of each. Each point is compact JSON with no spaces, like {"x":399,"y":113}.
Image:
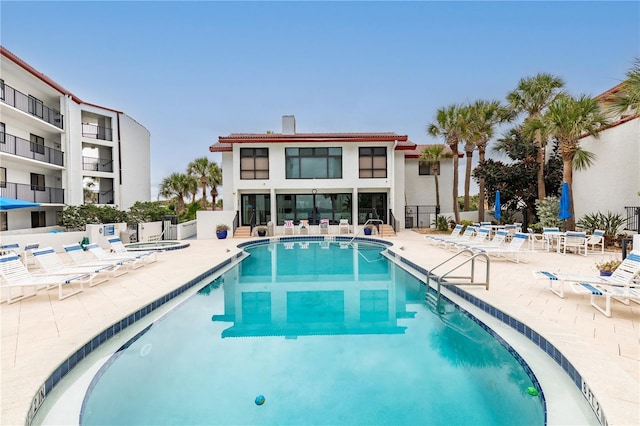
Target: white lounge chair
{"x":455,"y":233}
{"x":15,"y":274}
{"x":118,"y":247}
{"x":511,"y":251}
{"x":27,"y":253}
{"x":466,"y":236}
{"x":497,"y":241}
{"x":101,"y":254}
{"x":623,"y":285}
{"x":324,"y":226}
{"x":343,"y":226}
{"x":51,"y":263}
{"x":596,"y":239}
{"x":82,"y":258}
{"x":479,"y":239}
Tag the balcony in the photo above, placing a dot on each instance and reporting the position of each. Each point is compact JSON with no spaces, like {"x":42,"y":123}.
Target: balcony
{"x":31,"y":105}
{"x":33,"y":193}
{"x":27,"y":149}
{"x":97,"y":132}
{"x":99,"y":197}
{"x":97,"y":164}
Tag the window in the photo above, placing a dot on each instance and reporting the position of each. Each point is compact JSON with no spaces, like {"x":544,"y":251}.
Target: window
{"x":38,"y":219}
{"x":373,"y":162}
{"x":35,"y":106}
{"x":429,"y":168}
{"x":2,"y":131}
{"x":313,"y":163}
{"x":37,"y":144}
{"x":37,"y":182}
{"x":1,"y":89}
{"x":4,"y":226}
{"x":254,"y":163}
{"x":3,"y":177}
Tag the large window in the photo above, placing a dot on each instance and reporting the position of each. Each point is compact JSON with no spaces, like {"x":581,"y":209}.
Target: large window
{"x":37,"y":182}
{"x":313,"y":163}
{"x":313,"y":207}
{"x":254,"y":163}
{"x":37,"y":144}
{"x":36,"y":107}
{"x":373,"y":162}
{"x":2,"y":132}
{"x":38,"y":219}
{"x":429,"y":168}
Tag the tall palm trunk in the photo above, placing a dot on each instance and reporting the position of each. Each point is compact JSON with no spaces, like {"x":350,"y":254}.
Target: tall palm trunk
{"x":567,"y":176}
{"x":467,"y":178}
{"x":540,"y":157}
{"x":436,"y":172}
{"x":481,"y":195}
{"x":456,"y":209}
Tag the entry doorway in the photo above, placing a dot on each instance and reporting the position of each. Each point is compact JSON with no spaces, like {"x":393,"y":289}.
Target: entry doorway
{"x":258,"y":203}
{"x":372,"y":205}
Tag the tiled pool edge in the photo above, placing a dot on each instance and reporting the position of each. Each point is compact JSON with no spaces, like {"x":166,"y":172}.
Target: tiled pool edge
{"x":523,"y":329}
{"x":67,"y":365}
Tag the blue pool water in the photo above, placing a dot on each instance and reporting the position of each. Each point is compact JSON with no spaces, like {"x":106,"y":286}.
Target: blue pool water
{"x":328,"y":333}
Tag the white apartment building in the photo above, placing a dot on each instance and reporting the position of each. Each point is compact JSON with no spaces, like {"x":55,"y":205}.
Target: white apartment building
{"x":58,"y":150}
{"x":273,"y":177}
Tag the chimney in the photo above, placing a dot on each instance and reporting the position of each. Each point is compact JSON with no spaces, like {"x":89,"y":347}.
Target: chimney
{"x":288,"y":125}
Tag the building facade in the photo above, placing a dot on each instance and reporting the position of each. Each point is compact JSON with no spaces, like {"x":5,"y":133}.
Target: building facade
{"x":57,"y":150}
{"x":274,"y":177}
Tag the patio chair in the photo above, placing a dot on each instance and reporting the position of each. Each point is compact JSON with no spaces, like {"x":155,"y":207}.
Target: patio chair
{"x":15,"y":274}
{"x":511,"y":251}
{"x":574,"y":240}
{"x":552,"y":235}
{"x":596,"y":239}
{"x":623,"y":285}
{"x":12,"y":248}
{"x":133,"y":260}
{"x":324,"y":226}
{"x":118,"y":247}
{"x":288,"y":227}
{"x":535,"y":239}
{"x":303,"y":227}
{"x":51,"y":263}
{"x":27,"y":253}
{"x":81,"y":258}
{"x":344,"y":226}
{"x":455,"y":233}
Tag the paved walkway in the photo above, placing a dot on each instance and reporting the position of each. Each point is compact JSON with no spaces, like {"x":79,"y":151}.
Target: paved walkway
{"x":38,"y":333}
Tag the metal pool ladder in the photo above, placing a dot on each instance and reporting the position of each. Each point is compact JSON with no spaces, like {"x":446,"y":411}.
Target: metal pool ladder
{"x":446,"y":278}
{"x":368,"y":222}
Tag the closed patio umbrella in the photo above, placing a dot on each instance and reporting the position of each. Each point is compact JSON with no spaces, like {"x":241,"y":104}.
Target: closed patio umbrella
{"x":564,"y":202}
{"x":11,"y":203}
{"x":496,"y":206}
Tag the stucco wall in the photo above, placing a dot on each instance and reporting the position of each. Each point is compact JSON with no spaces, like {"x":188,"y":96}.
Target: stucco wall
{"x":135,"y":145}
{"x":421,"y":190}
{"x":613,"y":181}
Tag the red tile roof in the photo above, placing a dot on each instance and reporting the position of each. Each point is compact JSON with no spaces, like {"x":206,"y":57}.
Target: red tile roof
{"x":415,"y":152}
{"x":225,"y":143}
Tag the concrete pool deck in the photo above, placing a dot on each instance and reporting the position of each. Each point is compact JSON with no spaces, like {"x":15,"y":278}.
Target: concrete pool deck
{"x":40,"y":332}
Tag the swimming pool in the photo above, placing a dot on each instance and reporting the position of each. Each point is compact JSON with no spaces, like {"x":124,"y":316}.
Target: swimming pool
{"x":157,"y":245}
{"x":329,"y":333}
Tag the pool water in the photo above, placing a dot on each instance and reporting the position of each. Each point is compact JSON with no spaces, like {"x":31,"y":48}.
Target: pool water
{"x":328,"y":333}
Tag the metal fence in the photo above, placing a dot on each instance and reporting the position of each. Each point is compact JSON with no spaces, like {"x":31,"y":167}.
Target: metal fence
{"x":633,"y":219}
{"x":97,"y":132}
{"x":420,"y":216}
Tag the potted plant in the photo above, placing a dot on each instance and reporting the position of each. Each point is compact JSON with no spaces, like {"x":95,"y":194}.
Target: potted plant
{"x":221,"y":231}
{"x":606,"y":268}
{"x":368,"y":229}
{"x":261,"y":230}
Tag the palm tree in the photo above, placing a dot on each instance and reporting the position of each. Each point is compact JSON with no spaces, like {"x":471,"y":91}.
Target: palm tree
{"x":533,"y":95}
{"x":485,"y":115}
{"x":469,"y":147}
{"x":568,"y":119}
{"x":432,"y":155}
{"x":192,"y":185}
{"x":450,"y":126}
{"x":175,"y":186}
{"x":626,"y":100}
{"x":200,"y":168}
{"x":214,"y":177}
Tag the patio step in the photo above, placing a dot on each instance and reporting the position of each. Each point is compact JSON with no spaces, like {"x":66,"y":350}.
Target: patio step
{"x":386,"y":231}
{"x":242,"y":232}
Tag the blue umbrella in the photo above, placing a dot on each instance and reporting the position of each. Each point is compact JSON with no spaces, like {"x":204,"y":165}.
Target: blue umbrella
{"x":496,"y":207}
{"x":11,"y":203}
{"x":564,"y":202}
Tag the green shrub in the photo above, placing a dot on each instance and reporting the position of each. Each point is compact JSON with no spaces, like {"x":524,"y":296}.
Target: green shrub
{"x":441,"y":223}
{"x":610,"y":223}
{"x":547,"y":211}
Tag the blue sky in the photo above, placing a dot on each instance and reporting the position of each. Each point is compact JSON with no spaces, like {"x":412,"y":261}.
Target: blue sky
{"x":193,"y":71}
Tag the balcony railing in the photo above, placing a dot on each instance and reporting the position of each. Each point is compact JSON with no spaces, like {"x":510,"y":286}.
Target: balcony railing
{"x":100,"y":197}
{"x":633,"y":219}
{"x":97,"y":164}
{"x":97,"y":132}
{"x":31,"y":105}
{"x":33,"y":193}
{"x":21,"y":147}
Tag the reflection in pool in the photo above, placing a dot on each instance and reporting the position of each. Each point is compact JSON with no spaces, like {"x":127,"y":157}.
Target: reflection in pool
{"x":328,"y":333}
